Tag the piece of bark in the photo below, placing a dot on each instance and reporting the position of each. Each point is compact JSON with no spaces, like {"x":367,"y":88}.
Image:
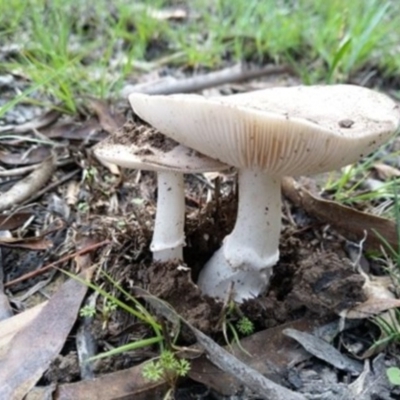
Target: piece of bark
{"x":11,"y":326}
{"x":122,"y":385}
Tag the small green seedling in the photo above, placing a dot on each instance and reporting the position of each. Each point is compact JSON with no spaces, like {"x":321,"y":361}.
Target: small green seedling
{"x":109,"y":306}
{"x":87,"y":311}
{"x":393,"y":374}
{"x":235,"y":322}
{"x":245,"y":326}
{"x":168,"y":367}
{"x":135,"y":308}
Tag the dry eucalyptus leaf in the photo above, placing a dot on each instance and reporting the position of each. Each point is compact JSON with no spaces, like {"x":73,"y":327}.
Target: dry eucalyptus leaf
{"x":13,"y":221}
{"x":370,"y":308}
{"x":89,"y":130}
{"x":32,"y":349}
{"x":350,"y":222}
{"x":11,"y":326}
{"x":109,"y":121}
{"x":386,"y":171}
{"x":325,"y":351}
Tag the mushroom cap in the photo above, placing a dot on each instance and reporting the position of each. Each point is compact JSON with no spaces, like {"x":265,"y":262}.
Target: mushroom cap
{"x":283,"y":130}
{"x":142,"y":147}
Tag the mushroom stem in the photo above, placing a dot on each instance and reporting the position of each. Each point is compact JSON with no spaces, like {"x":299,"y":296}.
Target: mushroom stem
{"x":248,"y":254}
{"x":168,"y":237}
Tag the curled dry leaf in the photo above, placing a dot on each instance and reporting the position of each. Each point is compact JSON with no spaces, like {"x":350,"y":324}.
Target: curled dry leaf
{"x":370,"y":308}
{"x":29,"y":185}
{"x":13,"y":221}
{"x":89,"y":130}
{"x":325,"y":351}
{"x":386,"y":171}
{"x":380,"y":303}
{"x":350,"y":222}
{"x":109,"y":121}
{"x":379,"y":299}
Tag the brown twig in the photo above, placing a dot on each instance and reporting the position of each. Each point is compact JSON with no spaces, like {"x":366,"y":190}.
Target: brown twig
{"x":237,"y":73}
{"x":53,"y":264}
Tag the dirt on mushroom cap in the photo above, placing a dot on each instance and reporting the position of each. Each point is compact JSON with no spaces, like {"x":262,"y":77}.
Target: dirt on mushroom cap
{"x":141,"y":135}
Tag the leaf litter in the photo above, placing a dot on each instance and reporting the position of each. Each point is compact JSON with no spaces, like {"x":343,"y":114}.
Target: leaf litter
{"x":314,"y":279}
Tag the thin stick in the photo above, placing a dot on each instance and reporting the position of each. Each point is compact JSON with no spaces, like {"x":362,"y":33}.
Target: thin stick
{"x":237,"y":73}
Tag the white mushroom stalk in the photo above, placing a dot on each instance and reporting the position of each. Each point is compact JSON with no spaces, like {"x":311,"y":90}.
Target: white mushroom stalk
{"x":141,"y":147}
{"x":267,"y":134}
{"x":168,"y":236}
{"x":249,"y":252}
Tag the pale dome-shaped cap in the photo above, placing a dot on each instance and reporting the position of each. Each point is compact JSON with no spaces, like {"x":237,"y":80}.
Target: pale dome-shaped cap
{"x":283,"y":130}
{"x":143,"y":147}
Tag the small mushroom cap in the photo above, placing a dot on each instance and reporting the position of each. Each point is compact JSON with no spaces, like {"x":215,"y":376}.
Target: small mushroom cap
{"x":283,"y":130}
{"x":142,"y":147}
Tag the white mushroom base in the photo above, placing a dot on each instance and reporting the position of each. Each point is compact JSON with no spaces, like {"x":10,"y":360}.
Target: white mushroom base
{"x":243,"y":265}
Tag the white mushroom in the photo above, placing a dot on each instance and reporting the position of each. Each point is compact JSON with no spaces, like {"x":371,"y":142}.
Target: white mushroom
{"x":267,"y":134}
{"x":139,"y":147}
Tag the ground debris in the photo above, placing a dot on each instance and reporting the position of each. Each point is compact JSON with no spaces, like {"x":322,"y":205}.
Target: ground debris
{"x":268,"y":351}
{"x":31,"y":350}
{"x":350,"y":222}
{"x":171,"y":283}
{"x":324,"y":351}
{"x":325,"y":282}
{"x":249,"y":377}
{"x":125,"y":384}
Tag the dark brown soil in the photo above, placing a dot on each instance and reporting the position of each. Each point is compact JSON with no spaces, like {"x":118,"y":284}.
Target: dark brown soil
{"x":307,"y":279}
